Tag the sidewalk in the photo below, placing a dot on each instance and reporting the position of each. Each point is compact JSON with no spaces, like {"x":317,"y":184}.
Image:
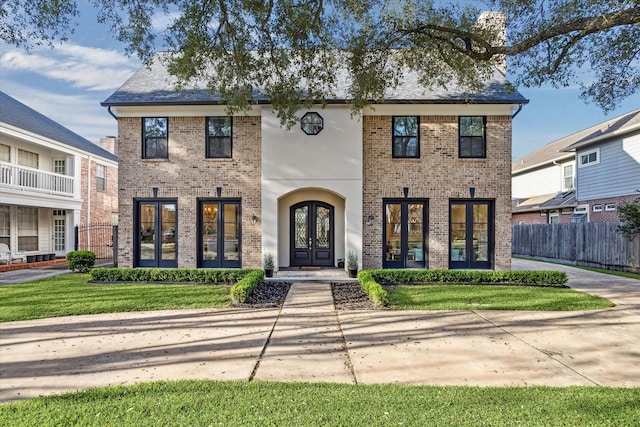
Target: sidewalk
{"x":307,"y":340}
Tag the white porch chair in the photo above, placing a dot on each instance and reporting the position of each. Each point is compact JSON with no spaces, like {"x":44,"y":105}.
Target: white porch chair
{"x":8,"y":256}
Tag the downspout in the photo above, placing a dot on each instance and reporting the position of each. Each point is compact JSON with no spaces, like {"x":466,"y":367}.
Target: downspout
{"x":89,"y":201}
{"x":116,"y":117}
{"x":512,"y":117}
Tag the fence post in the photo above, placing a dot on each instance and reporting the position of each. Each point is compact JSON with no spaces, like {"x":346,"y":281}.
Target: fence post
{"x":114,"y":244}
{"x":76,"y":235}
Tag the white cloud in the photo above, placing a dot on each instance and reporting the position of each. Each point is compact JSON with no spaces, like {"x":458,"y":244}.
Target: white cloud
{"x":84,"y":67}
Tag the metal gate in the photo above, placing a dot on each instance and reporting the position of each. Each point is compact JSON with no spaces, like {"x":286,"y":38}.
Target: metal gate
{"x":99,"y":238}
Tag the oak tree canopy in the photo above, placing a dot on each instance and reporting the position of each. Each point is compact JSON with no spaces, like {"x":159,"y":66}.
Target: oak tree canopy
{"x":236,"y":46}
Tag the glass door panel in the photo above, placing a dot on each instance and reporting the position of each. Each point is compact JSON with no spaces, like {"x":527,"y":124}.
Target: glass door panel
{"x":481,"y":232}
{"x":415,"y":236}
{"x":168,"y":212}
{"x":471,"y":234}
{"x":231,"y":231}
{"x":458,"y":232}
{"x":209,"y":242}
{"x":147,"y":231}
{"x":393,"y":214}
{"x":323,"y":228}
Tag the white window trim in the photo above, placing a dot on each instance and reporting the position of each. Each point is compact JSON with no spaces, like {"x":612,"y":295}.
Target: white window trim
{"x":610,"y":207}
{"x":597,"y":208}
{"x":586,"y":153}
{"x":554,"y":215}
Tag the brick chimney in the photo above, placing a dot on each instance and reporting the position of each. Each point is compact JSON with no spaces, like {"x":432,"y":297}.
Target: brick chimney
{"x":110,"y":143}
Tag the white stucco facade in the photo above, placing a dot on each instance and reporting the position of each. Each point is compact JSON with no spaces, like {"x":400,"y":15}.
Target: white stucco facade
{"x":326,"y":167}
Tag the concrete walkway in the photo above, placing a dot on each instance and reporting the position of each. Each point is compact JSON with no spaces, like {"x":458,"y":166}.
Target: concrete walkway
{"x":307,"y":340}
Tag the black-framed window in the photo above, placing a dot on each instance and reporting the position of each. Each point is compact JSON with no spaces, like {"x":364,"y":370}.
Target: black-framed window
{"x":405,"y":233}
{"x":219,"y":233}
{"x":406,"y":137}
{"x":219,"y":137}
{"x":311,"y":123}
{"x":155,"y":138}
{"x":156,"y":233}
{"x":471,"y":234}
{"x":472,"y":137}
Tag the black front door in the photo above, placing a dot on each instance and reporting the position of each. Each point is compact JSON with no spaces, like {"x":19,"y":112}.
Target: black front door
{"x":405,"y":233}
{"x":156,"y":233}
{"x":312,"y":234}
{"x":471,"y":234}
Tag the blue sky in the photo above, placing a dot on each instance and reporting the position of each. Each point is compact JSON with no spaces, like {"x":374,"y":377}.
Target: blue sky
{"x":68,"y":83}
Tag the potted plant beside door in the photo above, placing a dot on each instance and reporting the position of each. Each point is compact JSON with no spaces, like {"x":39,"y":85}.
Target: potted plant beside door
{"x":352,"y":264}
{"x":268,"y":264}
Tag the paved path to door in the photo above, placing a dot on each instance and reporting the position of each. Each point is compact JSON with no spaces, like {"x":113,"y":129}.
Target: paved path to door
{"x":307,"y":340}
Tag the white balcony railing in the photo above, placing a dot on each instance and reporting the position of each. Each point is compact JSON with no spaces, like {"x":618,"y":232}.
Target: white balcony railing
{"x":35,"y":179}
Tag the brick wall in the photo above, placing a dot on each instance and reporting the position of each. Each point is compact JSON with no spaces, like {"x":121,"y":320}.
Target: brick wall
{"x":102,"y":203}
{"x":607,"y":216}
{"x":187,"y":175}
{"x":439,"y":175}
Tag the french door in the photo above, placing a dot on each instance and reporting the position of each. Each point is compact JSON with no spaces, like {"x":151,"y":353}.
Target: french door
{"x":157,"y":233}
{"x":471,"y":234}
{"x":219,"y":234}
{"x":404,"y":233}
{"x":312,"y":235}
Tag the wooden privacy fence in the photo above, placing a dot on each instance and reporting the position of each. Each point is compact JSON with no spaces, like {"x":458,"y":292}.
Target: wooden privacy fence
{"x":589,"y":244}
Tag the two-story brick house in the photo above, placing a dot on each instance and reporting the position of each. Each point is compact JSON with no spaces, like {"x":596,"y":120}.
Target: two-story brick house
{"x":419,"y":180}
{"x":51,"y":179}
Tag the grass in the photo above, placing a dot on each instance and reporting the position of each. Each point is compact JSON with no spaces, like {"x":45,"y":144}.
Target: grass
{"x":208,"y":403}
{"x":470,"y":297}
{"x":71,"y":294}
{"x":626,"y":274}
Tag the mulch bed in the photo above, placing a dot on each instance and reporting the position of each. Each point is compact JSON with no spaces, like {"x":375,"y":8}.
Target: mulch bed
{"x":350,"y":296}
{"x":267,"y":295}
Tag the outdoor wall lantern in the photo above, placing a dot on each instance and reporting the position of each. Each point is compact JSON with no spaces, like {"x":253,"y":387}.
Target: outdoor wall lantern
{"x":472,"y":192}
{"x":311,"y":123}
{"x":405,"y":191}
{"x":155,"y":192}
{"x":370,"y":220}
{"x":254,"y":219}
{"x":219,"y":191}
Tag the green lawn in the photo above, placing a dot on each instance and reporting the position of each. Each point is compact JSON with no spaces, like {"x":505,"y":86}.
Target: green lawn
{"x":71,"y":294}
{"x":208,"y":403}
{"x":470,"y":297}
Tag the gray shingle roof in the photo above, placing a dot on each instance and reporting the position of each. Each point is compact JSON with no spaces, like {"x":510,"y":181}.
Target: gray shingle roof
{"x":154,"y":85}
{"x":15,"y":113}
{"x":558,"y":149}
{"x":565,"y":199}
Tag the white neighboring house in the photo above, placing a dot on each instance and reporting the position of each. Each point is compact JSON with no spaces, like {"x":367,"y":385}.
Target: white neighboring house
{"x":549,"y":186}
{"x":51,"y":180}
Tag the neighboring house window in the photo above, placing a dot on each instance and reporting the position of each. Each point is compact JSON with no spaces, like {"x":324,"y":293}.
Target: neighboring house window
{"x":5,"y":153}
{"x":406,"y":140}
{"x":101,"y":175}
{"x":597,"y":208}
{"x":60,"y":166}
{"x":155,"y":142}
{"x":567,"y":177}
{"x":567,"y":211}
{"x":610,"y":207}
{"x":5,"y":225}
{"x":472,"y":141}
{"x":27,"y":229}
{"x":28,"y":159}
{"x":219,"y":137}
{"x":554,"y":218}
{"x":589,"y":158}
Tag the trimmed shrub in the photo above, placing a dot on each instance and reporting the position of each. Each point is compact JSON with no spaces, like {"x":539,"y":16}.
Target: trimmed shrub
{"x":241,"y":290}
{"x":408,"y":277}
{"x":81,"y":261}
{"x":188,"y":275}
{"x":373,"y":289}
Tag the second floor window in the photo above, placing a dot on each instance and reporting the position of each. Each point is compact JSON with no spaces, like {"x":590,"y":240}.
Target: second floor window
{"x":472,"y":142}
{"x":155,"y":141}
{"x":101,"y":178}
{"x":567,"y":176}
{"x":28,"y":159}
{"x":219,"y":137}
{"x":5,"y":153}
{"x":406,"y":141}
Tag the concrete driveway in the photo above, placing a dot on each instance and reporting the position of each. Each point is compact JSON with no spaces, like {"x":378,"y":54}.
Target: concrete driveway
{"x":307,"y":340}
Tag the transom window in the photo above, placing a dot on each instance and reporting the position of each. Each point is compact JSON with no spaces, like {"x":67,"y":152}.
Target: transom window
{"x":155,"y":131}
{"x":589,"y":158}
{"x":406,"y":139}
{"x":101,"y":174}
{"x":219,"y":137}
{"x":472,"y":141}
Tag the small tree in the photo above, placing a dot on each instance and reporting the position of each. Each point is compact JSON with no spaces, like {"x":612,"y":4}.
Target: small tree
{"x":630,"y":217}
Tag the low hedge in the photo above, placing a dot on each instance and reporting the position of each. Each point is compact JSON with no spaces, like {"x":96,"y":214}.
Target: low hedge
{"x":408,"y":277}
{"x":175,"y":275}
{"x":241,"y":290}
{"x":372,"y":288}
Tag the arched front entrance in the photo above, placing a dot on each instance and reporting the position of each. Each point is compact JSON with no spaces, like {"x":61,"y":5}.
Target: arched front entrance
{"x":312,"y":235}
